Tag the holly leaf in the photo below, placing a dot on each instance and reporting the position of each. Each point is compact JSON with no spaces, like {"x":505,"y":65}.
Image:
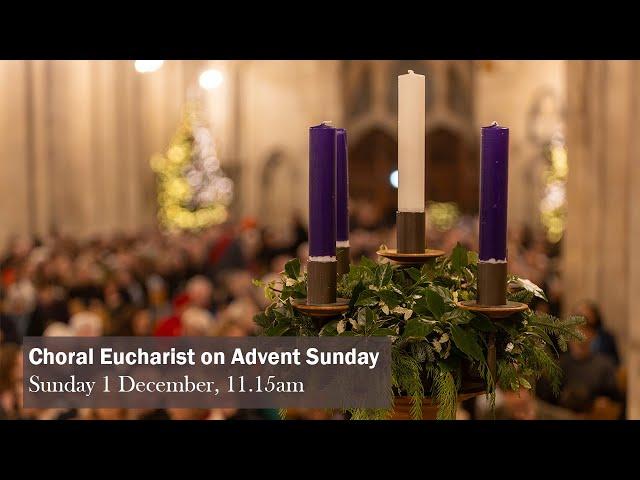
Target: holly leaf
{"x":416,"y":329}
{"x":472,"y":257}
{"x":467,"y":343}
{"x":390,"y":298}
{"x":292,"y":268}
{"x":459,"y":258}
{"x":414,"y":273}
{"x":367,"y":318}
{"x":457,"y":316}
{"x":420,"y":307}
{"x":367,"y":298}
{"x":355,"y":294}
{"x":435,"y":303}
{"x":384,"y":274}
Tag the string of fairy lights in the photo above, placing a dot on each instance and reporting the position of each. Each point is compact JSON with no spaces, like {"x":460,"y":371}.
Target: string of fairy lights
{"x":192,"y":190}
{"x":553,"y":206}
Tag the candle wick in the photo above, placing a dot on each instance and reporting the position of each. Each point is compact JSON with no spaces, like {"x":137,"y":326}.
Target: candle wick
{"x":494,"y":124}
{"x":411,"y":71}
{"x":327,"y":122}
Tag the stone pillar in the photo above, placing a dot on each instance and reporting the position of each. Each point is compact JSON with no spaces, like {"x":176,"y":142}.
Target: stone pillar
{"x":601,"y":251}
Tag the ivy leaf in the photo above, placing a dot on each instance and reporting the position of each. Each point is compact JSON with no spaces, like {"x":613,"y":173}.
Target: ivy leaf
{"x":435,"y":303}
{"x":529,"y":286}
{"x":262,"y":320}
{"x":416,"y":329}
{"x":459,"y":258}
{"x":330,"y":329}
{"x":355,"y":294}
{"x":472,"y":257}
{"x":457,"y":316}
{"x":367,"y":298}
{"x":390,"y":298}
{"x":292,"y":268}
{"x":279,"y":329}
{"x":348,"y":333}
{"x":299,"y":290}
{"x":467,"y":343}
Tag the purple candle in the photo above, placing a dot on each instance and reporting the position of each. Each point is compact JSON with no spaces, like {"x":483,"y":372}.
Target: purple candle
{"x":494,"y":178}
{"x":322,"y":191}
{"x":342,"y":190}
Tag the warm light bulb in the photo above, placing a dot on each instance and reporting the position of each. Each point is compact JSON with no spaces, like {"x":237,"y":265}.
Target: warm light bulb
{"x":210,"y":79}
{"x":148,"y":66}
{"x":393,"y":178}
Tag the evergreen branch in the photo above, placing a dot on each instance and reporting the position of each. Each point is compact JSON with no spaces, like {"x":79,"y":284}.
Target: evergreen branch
{"x":446,"y":393}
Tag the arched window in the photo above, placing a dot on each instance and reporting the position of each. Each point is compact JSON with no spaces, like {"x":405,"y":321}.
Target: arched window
{"x":279,"y":178}
{"x":458,"y":98}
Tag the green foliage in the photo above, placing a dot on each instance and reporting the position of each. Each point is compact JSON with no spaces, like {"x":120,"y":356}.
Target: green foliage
{"x":433,"y":340}
{"x":445,"y":392}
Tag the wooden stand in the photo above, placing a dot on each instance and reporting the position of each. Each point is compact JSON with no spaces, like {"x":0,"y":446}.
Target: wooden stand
{"x":321,"y":314}
{"x":410,"y":258}
{"x":402,"y":407}
{"x":410,"y":231}
{"x":493,"y":311}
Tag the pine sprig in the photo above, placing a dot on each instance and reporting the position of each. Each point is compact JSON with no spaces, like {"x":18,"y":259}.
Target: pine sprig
{"x":445,"y":392}
{"x":406,"y":377}
{"x":562,"y":330}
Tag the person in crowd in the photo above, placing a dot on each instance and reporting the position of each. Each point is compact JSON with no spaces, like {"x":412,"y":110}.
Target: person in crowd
{"x":9,"y":359}
{"x":196,"y":322}
{"x":86,"y":324}
{"x":589,"y":387}
{"x":200,"y":292}
{"x":171,"y":325}
{"x":603,"y":342}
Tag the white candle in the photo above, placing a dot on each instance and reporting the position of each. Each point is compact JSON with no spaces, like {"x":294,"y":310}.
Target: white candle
{"x":411,"y":113}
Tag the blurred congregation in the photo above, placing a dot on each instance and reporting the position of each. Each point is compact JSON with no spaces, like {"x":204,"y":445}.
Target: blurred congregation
{"x":200,"y":284}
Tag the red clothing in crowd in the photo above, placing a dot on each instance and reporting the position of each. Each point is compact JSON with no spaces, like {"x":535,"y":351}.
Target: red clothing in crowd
{"x":171,"y":326}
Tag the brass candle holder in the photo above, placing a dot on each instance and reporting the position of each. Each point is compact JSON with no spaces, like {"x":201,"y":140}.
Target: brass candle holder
{"x":343,"y":255}
{"x":410,"y":258}
{"x":321,"y":314}
{"x":411,"y":241}
{"x":321,"y":303}
{"x":492,"y":301}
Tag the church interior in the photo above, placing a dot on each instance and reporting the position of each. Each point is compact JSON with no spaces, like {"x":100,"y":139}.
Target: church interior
{"x":93,"y":239}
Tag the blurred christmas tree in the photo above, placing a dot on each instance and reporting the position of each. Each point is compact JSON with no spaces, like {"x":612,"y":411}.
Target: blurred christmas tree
{"x":193,"y":191}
